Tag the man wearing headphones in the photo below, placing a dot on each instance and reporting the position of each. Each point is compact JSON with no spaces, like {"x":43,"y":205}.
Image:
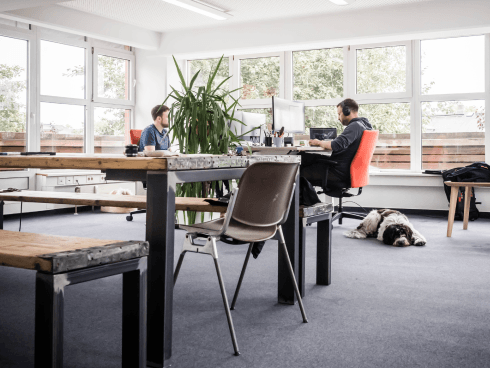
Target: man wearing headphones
{"x":344,"y":148}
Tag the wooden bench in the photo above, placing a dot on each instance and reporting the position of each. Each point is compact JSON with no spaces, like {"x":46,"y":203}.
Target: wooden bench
{"x":454,"y":197}
{"x":322,"y":214}
{"x":61,"y":261}
{"x":111,"y":200}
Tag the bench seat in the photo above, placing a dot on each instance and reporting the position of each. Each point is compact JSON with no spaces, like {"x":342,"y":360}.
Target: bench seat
{"x":111,"y":200}
{"x":62,"y":261}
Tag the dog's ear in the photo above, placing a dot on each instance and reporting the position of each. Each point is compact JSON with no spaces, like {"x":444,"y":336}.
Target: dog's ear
{"x":390,"y":234}
{"x":409,"y":233}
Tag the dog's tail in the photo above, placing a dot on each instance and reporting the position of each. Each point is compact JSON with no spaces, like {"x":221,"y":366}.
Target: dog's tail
{"x":355,"y":234}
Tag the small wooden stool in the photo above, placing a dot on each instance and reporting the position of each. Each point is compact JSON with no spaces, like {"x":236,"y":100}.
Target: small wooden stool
{"x":64,"y":260}
{"x":454,"y":197}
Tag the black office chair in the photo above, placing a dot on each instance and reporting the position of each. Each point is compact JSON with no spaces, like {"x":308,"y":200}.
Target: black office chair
{"x":256,"y":211}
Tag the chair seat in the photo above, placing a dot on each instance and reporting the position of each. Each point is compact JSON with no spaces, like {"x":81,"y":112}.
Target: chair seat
{"x":236,"y":230}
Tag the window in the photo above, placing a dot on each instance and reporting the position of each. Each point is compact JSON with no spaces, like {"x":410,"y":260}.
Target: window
{"x":453,"y":134}
{"x":382,"y":71}
{"x":62,"y":76}
{"x":13,"y":94}
{"x":62,"y":128}
{"x":322,"y":116}
{"x":260,"y":78}
{"x":453,"y":65}
{"x":318,"y":74}
{"x":205,"y":67}
{"x":111,"y":127}
{"x":113,"y":75}
{"x":393,"y":122}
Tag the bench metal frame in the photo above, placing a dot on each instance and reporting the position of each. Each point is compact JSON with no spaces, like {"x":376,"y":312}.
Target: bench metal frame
{"x":50,"y":311}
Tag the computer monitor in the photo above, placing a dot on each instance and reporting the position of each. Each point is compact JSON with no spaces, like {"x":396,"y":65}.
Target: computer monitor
{"x":288,"y":114}
{"x":253,"y":120}
{"x":235,"y":126}
{"x":323,"y":133}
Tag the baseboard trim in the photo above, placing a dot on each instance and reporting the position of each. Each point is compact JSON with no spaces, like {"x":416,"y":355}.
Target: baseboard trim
{"x":407,"y":211}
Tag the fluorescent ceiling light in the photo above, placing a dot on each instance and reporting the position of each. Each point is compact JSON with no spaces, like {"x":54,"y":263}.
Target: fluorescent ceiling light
{"x":342,"y":2}
{"x":200,"y":8}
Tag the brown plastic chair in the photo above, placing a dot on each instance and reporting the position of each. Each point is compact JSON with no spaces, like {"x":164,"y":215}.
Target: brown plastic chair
{"x":256,"y":211}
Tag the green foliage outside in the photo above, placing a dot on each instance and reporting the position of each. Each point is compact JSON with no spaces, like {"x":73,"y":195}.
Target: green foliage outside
{"x":260,"y":77}
{"x":12,"y":113}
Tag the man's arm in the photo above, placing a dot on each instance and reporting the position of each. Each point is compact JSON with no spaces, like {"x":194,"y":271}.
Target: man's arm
{"x":324,"y":144}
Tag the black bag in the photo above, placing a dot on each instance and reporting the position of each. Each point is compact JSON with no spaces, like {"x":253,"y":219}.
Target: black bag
{"x":476,"y":172}
{"x":307,"y":194}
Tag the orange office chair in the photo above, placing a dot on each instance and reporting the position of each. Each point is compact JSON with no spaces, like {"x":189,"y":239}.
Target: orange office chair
{"x":135,"y":135}
{"x":359,"y":174}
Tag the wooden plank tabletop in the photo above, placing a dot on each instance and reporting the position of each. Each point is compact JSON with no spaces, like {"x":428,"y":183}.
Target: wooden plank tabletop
{"x":23,"y":250}
{"x":285,"y":150}
{"x":110,"y":200}
{"x":84,"y":162}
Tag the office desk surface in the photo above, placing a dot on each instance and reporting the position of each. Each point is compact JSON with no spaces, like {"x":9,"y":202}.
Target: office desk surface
{"x":285,"y":150}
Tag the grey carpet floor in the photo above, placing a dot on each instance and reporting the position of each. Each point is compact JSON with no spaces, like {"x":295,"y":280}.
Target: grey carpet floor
{"x":386,"y":307}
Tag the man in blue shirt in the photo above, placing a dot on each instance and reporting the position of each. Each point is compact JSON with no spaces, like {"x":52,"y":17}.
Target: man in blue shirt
{"x":154,"y":136}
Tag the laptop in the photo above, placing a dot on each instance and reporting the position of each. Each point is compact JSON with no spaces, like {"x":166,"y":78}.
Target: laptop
{"x":323,"y":134}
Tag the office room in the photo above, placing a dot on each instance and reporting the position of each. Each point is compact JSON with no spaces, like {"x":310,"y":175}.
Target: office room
{"x":125,"y":128}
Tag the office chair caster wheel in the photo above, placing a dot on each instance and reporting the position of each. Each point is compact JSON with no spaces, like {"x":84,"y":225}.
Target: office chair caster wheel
{"x":129,"y":218}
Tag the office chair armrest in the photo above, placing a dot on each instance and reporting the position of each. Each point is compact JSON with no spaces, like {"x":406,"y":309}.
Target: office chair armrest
{"x":229,"y":212}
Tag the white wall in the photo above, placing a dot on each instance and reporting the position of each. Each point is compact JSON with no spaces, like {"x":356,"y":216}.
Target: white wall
{"x":151,"y":86}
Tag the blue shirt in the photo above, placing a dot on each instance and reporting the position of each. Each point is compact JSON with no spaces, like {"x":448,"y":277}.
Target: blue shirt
{"x":150,"y":136}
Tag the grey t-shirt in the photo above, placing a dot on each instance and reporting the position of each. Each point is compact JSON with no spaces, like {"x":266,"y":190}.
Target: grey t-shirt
{"x":345,"y":146}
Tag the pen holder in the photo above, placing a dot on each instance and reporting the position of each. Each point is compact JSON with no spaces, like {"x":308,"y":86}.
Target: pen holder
{"x":131,"y":150}
{"x":268,"y":141}
{"x":278,"y":141}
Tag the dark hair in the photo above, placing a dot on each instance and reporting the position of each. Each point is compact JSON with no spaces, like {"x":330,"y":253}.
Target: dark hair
{"x":158,"y":110}
{"x":350,"y":103}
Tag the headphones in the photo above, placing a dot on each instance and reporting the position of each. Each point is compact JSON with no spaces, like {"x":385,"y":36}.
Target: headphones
{"x":345,"y":109}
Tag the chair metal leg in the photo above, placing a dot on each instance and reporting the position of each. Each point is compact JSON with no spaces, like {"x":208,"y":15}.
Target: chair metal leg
{"x":282,"y":242}
{"x":241,"y":276}
{"x":179,"y":264}
{"x":227,"y":307}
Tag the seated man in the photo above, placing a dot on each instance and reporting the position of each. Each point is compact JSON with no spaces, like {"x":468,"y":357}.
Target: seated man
{"x":344,"y":148}
{"x":154,"y":136}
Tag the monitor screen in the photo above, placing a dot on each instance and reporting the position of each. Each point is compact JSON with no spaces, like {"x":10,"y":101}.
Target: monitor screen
{"x":323,"y":133}
{"x":288,"y":114}
{"x":253,"y":120}
{"x":235,"y":126}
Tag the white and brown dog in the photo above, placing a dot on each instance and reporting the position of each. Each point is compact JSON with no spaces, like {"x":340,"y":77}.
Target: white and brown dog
{"x":389,"y":226}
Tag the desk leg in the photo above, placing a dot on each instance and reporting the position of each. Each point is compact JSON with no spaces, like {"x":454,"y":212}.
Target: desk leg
{"x":467,"y":197}
{"x":1,"y":215}
{"x":285,"y":290}
{"x":452,"y":210}
{"x":324,"y":252}
{"x":160,"y":225}
{"x":302,"y":256}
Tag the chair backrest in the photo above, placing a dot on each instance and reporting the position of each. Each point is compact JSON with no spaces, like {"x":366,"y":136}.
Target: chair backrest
{"x":265,"y":193}
{"x":135,"y":135}
{"x":359,"y":167}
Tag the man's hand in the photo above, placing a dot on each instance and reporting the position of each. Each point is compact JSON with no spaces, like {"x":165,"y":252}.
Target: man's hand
{"x":315,"y":142}
{"x":324,"y":144}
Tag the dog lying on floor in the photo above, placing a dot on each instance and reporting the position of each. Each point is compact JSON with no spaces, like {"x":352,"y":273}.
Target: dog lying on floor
{"x":389,"y":226}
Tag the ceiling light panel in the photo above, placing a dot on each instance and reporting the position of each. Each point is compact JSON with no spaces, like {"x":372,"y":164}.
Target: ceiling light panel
{"x":200,"y":8}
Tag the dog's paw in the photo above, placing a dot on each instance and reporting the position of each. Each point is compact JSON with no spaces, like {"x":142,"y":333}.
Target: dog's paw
{"x":354,"y":234}
{"x":419,"y":242}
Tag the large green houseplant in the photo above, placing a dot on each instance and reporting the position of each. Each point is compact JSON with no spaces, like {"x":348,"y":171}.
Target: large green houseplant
{"x":199,"y":122}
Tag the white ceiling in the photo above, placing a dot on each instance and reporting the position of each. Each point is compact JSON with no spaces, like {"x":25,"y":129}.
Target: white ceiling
{"x":160,"y":16}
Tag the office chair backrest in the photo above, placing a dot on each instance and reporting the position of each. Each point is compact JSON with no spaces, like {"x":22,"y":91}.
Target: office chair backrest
{"x":135,"y":135}
{"x":359,"y":167}
{"x":265,"y":193}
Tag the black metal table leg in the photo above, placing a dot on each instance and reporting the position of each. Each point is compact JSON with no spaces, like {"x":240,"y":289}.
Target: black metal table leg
{"x":1,"y":214}
{"x":324,"y":251}
{"x":48,"y":334}
{"x":134,"y":317}
{"x":285,"y":290}
{"x":160,"y":225}
{"x":302,"y":255}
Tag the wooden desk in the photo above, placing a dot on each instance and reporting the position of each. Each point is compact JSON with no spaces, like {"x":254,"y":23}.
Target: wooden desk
{"x":162,"y":175}
{"x":454,"y":197}
{"x":285,"y":150}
